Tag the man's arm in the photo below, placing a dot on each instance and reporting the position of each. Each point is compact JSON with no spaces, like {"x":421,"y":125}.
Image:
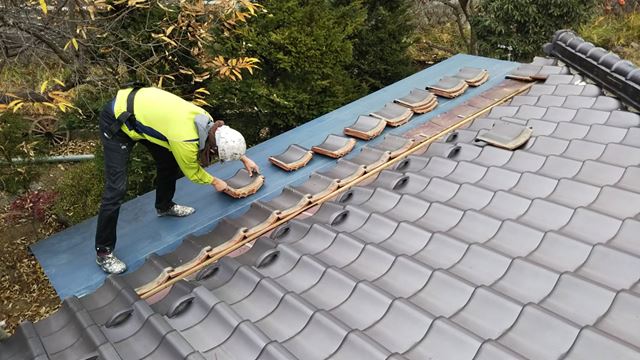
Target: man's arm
{"x":186,"y":154}
{"x":250,"y":165}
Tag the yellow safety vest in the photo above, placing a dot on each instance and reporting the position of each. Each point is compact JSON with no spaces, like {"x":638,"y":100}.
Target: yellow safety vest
{"x":166,"y":120}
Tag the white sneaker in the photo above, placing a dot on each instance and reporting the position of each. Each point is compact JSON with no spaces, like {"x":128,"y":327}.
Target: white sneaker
{"x":178,"y":211}
{"x":111,"y":264}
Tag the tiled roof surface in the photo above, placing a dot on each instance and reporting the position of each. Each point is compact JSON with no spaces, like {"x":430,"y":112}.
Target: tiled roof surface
{"x":67,"y":257}
{"x":462,"y":250}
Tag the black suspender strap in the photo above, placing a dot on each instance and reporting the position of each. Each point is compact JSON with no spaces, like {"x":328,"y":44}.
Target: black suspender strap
{"x":126,"y":116}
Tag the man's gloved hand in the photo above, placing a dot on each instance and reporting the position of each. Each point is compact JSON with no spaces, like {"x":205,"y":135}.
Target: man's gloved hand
{"x":219,"y":184}
{"x":250,"y":165}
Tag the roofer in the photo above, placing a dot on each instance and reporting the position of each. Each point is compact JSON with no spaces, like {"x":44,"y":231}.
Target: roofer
{"x":181,"y":137}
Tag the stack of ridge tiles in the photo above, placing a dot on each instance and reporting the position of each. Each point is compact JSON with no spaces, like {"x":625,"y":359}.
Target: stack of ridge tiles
{"x":335,"y":146}
{"x":449,"y":87}
{"x":292,"y":159}
{"x":540,"y":69}
{"x":419,"y":101}
{"x":366,"y":127}
{"x":394,"y":114}
{"x":473,"y":76}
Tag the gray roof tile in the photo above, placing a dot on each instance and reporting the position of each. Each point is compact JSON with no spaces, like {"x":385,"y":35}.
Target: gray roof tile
{"x":531,"y":185}
{"x":261,"y":301}
{"x":24,"y":344}
{"x":499,"y":179}
{"x":407,"y":239}
{"x":488,"y":313}
{"x":366,"y":305}
{"x":442,"y":251}
{"x":623,"y":275}
{"x":287,"y":202}
{"x":439,"y":190}
{"x":444,"y":294}
{"x":605,"y":134}
{"x":334,"y":287}
{"x":515,"y":239}
{"x":403,"y":325}
{"x":344,"y":171}
{"x":591,"y":226}
{"x":560,"y":252}
{"x":559,"y":167}
{"x":563,"y":79}
{"x":405,"y":277}
{"x":542,"y":127}
{"x":492,"y":350}
{"x":539,"y":333}
{"x":323,"y":330}
{"x":574,"y":193}
{"x":632,"y":138}
{"x":621,"y":320}
{"x":617,"y":202}
{"x":540,"y":281}
{"x":569,"y":295}
{"x":446,"y":340}
{"x":506,"y":205}
{"x":626,"y":238}
{"x":593,"y":343}
{"x":358,"y":344}
{"x":481,"y":265}
{"x":377,"y":228}
{"x":599,"y":173}
{"x":475,"y":227}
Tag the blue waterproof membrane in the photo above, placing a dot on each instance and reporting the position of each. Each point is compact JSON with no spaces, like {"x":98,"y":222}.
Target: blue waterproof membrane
{"x":68,"y":257}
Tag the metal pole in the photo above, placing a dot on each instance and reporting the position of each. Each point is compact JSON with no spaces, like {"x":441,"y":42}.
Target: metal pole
{"x":50,"y":159}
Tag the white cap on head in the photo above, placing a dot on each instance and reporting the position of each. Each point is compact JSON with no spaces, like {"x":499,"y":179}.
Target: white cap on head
{"x":230,"y":143}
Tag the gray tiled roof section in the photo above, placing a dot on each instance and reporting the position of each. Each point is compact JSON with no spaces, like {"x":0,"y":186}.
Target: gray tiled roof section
{"x":458,"y":252}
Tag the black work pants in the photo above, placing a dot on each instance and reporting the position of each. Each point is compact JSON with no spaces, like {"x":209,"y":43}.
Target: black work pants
{"x":117,"y":150}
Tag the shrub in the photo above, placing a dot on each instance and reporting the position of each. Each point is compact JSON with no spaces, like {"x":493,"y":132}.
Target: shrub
{"x":619,"y":33}
{"x":525,"y":25}
{"x":381,"y":46}
{"x":142,"y":172}
{"x":15,"y":143}
{"x":79,"y":192}
{"x":305,"y":56}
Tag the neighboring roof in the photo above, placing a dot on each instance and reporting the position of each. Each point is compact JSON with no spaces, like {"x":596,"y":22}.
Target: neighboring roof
{"x":68,"y":257}
{"x":462,"y":250}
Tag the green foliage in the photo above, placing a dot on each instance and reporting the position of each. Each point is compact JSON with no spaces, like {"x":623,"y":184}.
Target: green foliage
{"x":381,"y":45}
{"x":316,"y":55}
{"x":619,"y":33}
{"x":80,"y":188}
{"x":305,"y":59}
{"x":89,"y":101}
{"x":142,"y":172}
{"x":525,"y":25}
{"x":444,"y":36}
{"x":15,"y":143}
{"x":79,"y":192}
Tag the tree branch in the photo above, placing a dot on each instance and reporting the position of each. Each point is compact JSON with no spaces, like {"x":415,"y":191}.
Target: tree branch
{"x":49,"y":43}
{"x":34,"y":96}
{"x":441,"y":47}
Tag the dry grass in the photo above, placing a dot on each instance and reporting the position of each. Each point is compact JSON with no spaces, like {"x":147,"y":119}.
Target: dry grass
{"x":24,"y":289}
{"x":616,"y":32}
